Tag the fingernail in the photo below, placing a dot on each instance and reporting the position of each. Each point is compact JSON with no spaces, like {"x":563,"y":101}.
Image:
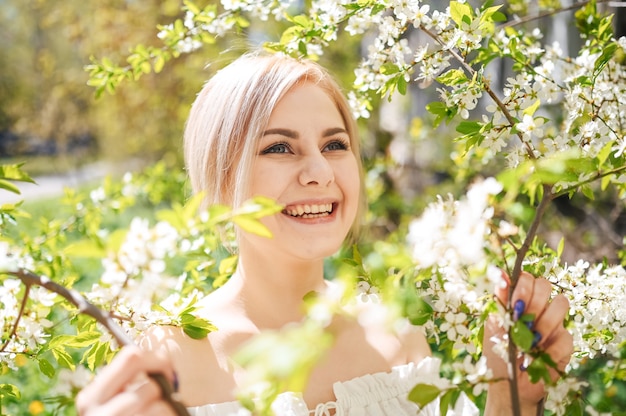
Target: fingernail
{"x":523,"y":366}
{"x":518,"y":309}
{"x":530,"y":324}
{"x":536,"y":338}
{"x":175,"y":382}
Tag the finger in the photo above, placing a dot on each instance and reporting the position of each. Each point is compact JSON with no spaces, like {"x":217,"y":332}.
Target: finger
{"x":550,"y":323}
{"x":130,"y":362}
{"x":542,"y":290}
{"x":560,"y":350}
{"x":134,"y":400}
{"x":522,"y":294}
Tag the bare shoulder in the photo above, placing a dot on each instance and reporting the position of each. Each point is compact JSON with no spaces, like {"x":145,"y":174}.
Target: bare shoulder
{"x":206,"y":374}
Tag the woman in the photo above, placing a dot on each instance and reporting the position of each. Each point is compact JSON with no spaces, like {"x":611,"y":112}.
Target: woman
{"x":279,"y":127}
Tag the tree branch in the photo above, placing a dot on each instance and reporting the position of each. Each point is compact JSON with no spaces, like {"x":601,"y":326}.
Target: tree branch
{"x":102,"y":317}
{"x":517,"y":271}
{"x":505,"y":111}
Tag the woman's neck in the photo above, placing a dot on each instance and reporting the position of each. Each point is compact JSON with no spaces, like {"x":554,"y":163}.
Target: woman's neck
{"x":270,"y":291}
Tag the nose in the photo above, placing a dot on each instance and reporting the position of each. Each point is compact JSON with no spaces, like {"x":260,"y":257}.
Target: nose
{"x":316,"y":170}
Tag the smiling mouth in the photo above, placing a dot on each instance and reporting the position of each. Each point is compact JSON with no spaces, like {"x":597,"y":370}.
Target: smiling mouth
{"x":309,"y":211}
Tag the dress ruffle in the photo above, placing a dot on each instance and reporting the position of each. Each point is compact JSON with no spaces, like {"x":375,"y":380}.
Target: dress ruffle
{"x":379,"y":394}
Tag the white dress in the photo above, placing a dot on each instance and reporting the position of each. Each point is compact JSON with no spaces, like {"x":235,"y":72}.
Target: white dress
{"x":379,"y":394}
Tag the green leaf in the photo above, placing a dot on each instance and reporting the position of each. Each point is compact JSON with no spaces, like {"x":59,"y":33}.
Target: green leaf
{"x":469,"y":127}
{"x":605,"y":182}
{"x":588,"y":192}
{"x":452,"y":77}
{"x":575,"y":408}
{"x":192,"y":206}
{"x":530,"y":110}
{"x":85,"y":249}
{"x":9,"y":187}
{"x":422,"y":394}
{"x":228,"y":264}
{"x":402,"y":84}
{"x":191,"y":6}
{"x":252,"y":225}
{"x":522,"y":336}
{"x":416,"y":309}
{"x":15,"y":173}
{"x":63,"y":358}
{"x":389,"y":68}
{"x":539,"y":368}
{"x":607,"y":53}
{"x":196,"y":328}
{"x":449,"y":398}
{"x":84,"y":339}
{"x":159,"y":63}
{"x":441,"y":111}
{"x":46,"y":368}
{"x":9,"y":390}
{"x":96,"y":355}
{"x":561,"y":246}
{"x":460,"y":11}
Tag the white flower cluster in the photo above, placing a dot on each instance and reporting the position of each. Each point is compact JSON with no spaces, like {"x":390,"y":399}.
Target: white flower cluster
{"x":593,"y":119}
{"x":477,"y":373}
{"x":596,"y":294}
{"x":31,"y":330}
{"x":450,"y":237}
{"x":70,"y":381}
{"x":33,"y":324}
{"x":135,"y":276}
{"x":557,"y":399}
{"x":209,"y":21}
{"x":452,"y":233}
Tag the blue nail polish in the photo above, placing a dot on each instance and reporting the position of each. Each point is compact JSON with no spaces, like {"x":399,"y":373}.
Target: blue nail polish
{"x":536,"y":338}
{"x":530,"y":324}
{"x":518,"y":309}
{"x":175,"y":382}
{"x":522,"y":367}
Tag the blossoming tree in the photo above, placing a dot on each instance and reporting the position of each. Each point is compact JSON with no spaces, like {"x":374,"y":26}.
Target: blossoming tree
{"x":554,"y":129}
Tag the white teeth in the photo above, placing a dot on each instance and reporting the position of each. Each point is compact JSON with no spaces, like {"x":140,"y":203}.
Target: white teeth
{"x":309,"y":211}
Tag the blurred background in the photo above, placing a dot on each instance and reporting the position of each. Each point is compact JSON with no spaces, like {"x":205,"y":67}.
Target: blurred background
{"x":51,"y":120}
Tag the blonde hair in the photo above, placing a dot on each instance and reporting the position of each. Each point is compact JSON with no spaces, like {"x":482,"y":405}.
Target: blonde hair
{"x":231,"y":113}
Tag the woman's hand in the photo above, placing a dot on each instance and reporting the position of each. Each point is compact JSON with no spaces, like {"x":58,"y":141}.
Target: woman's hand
{"x":125,"y":388}
{"x":531,"y":296}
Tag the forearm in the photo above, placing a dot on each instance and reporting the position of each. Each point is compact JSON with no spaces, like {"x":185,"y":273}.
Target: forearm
{"x":499,"y":402}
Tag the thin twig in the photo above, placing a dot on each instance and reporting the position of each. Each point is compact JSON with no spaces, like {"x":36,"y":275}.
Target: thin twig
{"x":547,"y":197}
{"x":17,"y":319}
{"x":594,"y":178}
{"x":505,"y":111}
{"x":104,"y":318}
{"x":530,"y":18}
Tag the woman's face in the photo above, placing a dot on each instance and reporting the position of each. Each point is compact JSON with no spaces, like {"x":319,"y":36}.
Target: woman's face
{"x":305,"y":162}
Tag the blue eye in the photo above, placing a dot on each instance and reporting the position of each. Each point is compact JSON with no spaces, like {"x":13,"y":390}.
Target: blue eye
{"x":276,"y":148}
{"x":337,"y":145}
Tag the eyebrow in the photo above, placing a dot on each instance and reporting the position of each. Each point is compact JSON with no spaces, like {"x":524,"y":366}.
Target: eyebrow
{"x":292,"y":134}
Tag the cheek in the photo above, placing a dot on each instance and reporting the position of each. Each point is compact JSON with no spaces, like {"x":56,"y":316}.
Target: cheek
{"x":351,"y":183}
{"x":264,"y":181}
